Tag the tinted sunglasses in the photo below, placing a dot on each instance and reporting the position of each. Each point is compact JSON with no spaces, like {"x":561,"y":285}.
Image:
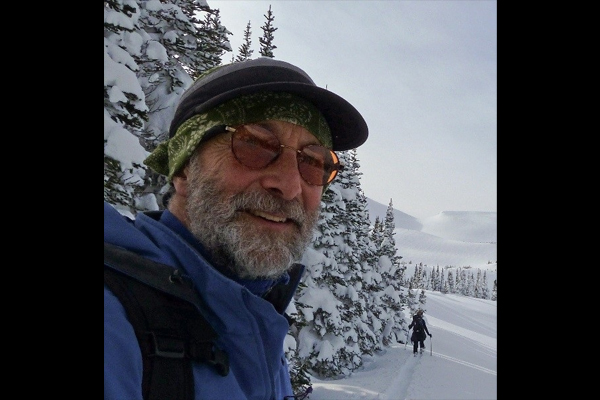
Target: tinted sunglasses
{"x":256,"y":147}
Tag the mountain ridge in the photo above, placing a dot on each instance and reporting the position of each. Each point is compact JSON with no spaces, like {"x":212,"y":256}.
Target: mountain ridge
{"x":448,"y":239}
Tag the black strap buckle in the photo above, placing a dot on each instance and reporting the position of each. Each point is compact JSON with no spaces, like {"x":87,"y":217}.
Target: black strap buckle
{"x":167,"y":346}
{"x":220,"y":360}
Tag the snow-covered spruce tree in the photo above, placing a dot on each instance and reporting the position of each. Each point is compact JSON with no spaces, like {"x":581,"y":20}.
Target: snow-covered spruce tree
{"x":445,"y":287}
{"x":451,"y":282}
{"x":390,"y":250}
{"x":213,"y":42}
{"x":244,"y":51}
{"x":389,"y":245}
{"x":477,"y":285}
{"x":441,"y":279}
{"x":321,"y":336}
{"x":190,"y":46}
{"x":356,"y":260}
{"x":394,"y":298}
{"x":298,"y":366}
{"x":461,"y":281}
{"x":419,"y":277}
{"x":266,"y":41}
{"x":485,"y":291}
{"x":339,"y":331}
{"x":435,"y":280}
{"x":470,"y":283}
{"x":125,"y":109}
{"x":380,"y":292}
{"x":164,"y":46}
{"x":376,"y":234}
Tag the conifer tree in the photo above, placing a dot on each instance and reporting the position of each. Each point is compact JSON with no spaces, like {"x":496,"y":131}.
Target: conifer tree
{"x":359,"y":258}
{"x":213,"y":42}
{"x":451,"y":282}
{"x":389,"y":247}
{"x":419,"y":277}
{"x":245,"y":52}
{"x":298,"y":367}
{"x":470,"y":286}
{"x":445,"y":287}
{"x":461,"y":282}
{"x":431,"y":283}
{"x":377,"y":234}
{"x":439,"y":277}
{"x":342,"y":332}
{"x":393,"y":298}
{"x":477,"y":285}
{"x":325,"y":328}
{"x":125,"y":109}
{"x":266,"y":41}
{"x":375,"y":267}
{"x":162,"y":45}
{"x":485,"y":291}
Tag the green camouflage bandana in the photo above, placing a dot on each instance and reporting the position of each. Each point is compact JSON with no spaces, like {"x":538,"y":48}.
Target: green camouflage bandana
{"x":170,"y":156}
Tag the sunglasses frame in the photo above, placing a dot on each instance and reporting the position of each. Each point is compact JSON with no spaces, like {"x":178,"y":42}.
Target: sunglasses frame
{"x":337,"y":167}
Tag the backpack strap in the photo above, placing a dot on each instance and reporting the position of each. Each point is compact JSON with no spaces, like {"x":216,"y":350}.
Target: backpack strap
{"x":164,"y":312}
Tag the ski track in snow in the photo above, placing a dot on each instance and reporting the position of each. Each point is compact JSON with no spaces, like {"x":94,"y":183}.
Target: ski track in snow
{"x":399,"y":385}
{"x":401,"y":378}
{"x":468,"y":364}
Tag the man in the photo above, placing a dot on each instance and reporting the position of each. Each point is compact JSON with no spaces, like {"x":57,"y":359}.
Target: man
{"x":250,"y":152}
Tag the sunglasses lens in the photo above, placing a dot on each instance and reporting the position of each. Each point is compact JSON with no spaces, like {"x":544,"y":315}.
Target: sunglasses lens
{"x":317,"y":164}
{"x":254,"y":146}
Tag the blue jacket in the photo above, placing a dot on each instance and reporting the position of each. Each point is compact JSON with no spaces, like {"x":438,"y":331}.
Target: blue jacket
{"x":250,"y":330}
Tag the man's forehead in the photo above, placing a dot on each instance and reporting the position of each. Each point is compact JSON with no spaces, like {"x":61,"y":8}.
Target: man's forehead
{"x":283,"y":128}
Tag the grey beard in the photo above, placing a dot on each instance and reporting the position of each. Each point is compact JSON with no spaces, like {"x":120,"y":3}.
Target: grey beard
{"x":234,"y":243}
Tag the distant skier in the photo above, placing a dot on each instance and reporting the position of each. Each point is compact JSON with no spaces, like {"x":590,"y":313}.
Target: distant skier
{"x":419,"y":329}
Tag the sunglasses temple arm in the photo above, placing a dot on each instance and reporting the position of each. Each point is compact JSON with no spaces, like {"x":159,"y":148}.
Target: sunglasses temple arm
{"x":215,"y":130}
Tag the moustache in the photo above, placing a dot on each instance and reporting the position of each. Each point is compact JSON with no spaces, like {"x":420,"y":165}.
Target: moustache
{"x":292,"y":210}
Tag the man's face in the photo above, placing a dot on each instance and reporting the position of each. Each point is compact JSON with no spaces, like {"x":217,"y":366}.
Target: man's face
{"x":254,"y":221}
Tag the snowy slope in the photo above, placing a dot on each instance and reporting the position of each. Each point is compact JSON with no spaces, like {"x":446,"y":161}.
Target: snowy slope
{"x":460,"y":361}
{"x":451,"y":238}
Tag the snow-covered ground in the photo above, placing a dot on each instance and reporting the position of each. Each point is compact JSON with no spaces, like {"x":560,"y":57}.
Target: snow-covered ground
{"x":461,"y":357}
{"x":460,"y":361}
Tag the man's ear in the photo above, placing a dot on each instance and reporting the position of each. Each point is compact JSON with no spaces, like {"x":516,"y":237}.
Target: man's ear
{"x":180,"y":182}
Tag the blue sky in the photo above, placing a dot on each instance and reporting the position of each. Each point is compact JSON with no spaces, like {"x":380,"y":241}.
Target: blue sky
{"x":422,"y":73}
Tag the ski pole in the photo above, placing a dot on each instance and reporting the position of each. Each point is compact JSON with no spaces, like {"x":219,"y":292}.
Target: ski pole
{"x":430,"y":346}
{"x":406,"y":341}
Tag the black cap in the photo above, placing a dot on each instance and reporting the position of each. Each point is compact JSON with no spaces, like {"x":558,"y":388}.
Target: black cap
{"x":264,"y":74}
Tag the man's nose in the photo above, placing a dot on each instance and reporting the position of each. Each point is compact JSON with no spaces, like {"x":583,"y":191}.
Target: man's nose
{"x":282,"y":176}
